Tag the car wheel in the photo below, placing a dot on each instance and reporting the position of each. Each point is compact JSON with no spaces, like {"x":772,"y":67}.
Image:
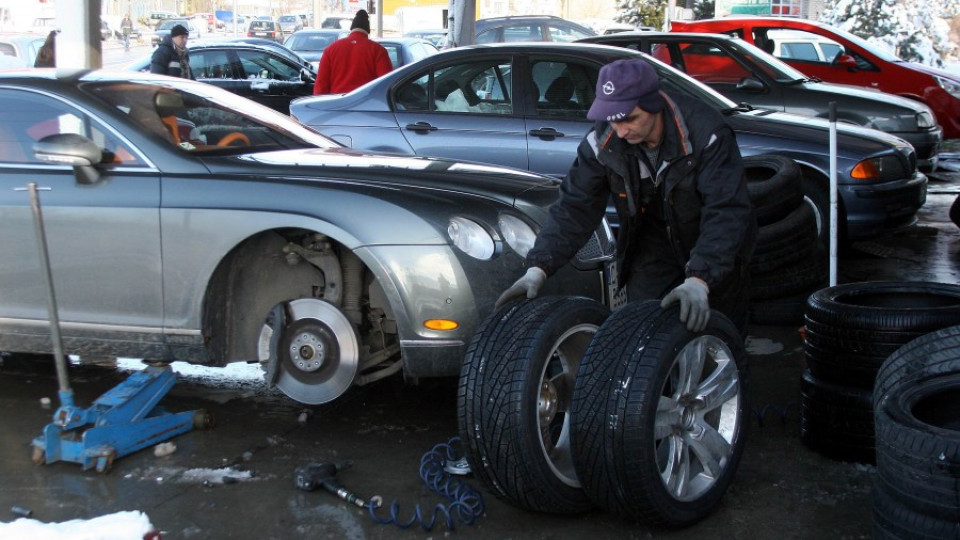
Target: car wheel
{"x":515,"y":390}
{"x":660,"y":414}
{"x":817,"y":196}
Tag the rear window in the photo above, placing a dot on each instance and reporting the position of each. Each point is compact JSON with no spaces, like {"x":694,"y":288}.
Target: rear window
{"x":261,"y":25}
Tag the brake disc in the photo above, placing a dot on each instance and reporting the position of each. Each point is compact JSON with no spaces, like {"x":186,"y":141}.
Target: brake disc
{"x":311,"y":353}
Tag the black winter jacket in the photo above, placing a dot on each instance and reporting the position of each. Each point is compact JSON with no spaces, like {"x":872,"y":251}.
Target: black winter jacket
{"x":165,"y":60}
{"x":710,"y":220}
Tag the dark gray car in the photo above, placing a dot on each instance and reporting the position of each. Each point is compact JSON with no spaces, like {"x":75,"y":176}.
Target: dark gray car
{"x":525,"y":106}
{"x":746,"y":74}
{"x":218,"y":231}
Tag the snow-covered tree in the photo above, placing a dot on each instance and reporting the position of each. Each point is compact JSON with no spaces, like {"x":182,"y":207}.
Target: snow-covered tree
{"x":704,"y":9}
{"x":914,"y":30}
{"x":641,"y":12}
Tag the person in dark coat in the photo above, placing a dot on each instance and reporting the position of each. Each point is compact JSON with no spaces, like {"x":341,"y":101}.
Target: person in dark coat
{"x":674,"y":171}
{"x":172,"y":57}
{"x":352,"y":61}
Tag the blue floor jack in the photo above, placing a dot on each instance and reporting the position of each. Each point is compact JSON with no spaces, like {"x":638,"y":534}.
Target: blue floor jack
{"x":124,"y":419}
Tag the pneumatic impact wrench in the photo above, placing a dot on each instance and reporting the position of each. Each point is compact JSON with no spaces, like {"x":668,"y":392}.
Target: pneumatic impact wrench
{"x":310,"y":477}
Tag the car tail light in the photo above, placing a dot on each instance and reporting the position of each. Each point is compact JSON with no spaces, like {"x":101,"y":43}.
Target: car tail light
{"x":249,"y":33}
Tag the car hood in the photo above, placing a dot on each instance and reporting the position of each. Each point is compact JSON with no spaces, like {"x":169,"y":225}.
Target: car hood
{"x":929,"y":70}
{"x":849,"y":92}
{"x":394,"y":172}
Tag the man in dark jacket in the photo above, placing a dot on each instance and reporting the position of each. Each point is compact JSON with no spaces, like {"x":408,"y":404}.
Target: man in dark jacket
{"x":171,"y":57}
{"x":673,"y":168}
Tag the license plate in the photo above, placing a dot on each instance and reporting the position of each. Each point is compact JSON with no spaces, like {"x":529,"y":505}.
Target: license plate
{"x":616,"y":296}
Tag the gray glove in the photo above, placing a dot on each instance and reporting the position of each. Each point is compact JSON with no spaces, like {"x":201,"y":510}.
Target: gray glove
{"x":529,"y":284}
{"x":694,"y":307}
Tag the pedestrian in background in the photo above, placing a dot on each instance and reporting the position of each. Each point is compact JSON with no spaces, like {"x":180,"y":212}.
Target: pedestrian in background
{"x":47,"y":55}
{"x":673,"y":168}
{"x":352,"y":60}
{"x":171,"y":57}
{"x":126,"y":28}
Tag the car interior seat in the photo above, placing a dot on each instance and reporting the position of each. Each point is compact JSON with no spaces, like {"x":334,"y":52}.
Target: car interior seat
{"x":412,"y":98}
{"x":560,"y":93}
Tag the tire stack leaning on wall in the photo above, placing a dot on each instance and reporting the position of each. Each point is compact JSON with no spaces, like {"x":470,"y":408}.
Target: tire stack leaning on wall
{"x":851,"y":329}
{"x":917,"y":412}
{"x":789,"y":262}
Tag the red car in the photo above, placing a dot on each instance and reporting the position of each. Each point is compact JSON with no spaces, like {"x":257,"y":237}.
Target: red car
{"x":860,"y":63}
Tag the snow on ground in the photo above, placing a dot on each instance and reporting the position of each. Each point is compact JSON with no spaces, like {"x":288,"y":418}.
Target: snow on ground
{"x":132,"y":525}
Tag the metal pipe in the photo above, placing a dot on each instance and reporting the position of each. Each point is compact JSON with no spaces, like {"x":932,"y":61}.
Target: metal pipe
{"x":51,"y":295}
{"x":833,"y":193}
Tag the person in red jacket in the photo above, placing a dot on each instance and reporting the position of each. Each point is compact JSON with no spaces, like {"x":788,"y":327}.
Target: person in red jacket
{"x":352,"y":61}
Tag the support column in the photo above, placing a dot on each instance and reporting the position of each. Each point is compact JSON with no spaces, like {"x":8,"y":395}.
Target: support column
{"x":79,"y":45}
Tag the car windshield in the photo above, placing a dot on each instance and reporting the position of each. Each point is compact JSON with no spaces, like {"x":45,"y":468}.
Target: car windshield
{"x":873,"y":48}
{"x":775,"y":68}
{"x":200,"y":118}
{"x":690,"y":86}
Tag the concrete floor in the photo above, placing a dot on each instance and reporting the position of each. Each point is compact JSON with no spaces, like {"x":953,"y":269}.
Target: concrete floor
{"x":782,"y":489}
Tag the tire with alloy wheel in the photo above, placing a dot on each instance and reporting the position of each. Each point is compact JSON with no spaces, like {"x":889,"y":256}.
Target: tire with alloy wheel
{"x":513,"y":400}
{"x":660,"y":414}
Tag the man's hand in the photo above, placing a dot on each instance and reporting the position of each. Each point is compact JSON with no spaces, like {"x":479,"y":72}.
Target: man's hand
{"x":529,"y":284}
{"x":694,"y":307}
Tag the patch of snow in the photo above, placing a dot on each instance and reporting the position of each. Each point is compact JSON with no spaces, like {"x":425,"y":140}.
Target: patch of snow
{"x":132,"y":525}
{"x":763,"y":346}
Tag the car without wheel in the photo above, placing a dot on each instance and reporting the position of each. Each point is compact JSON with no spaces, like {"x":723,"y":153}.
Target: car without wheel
{"x":744,"y":73}
{"x":187,"y":223}
{"x":525,"y":106}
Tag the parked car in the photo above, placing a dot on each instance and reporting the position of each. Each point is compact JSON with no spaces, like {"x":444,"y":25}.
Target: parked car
{"x":19,"y":49}
{"x":209,"y":229}
{"x":208,"y":20}
{"x":861,"y":64}
{"x":525,"y":106}
{"x":252,"y":71}
{"x":529,"y":28}
{"x":263,"y":29}
{"x":309,"y":44}
{"x":434,"y":35}
{"x":290,"y":24}
{"x":163,"y":29}
{"x":744,"y":73}
{"x":338,"y":23}
{"x":406,"y":50}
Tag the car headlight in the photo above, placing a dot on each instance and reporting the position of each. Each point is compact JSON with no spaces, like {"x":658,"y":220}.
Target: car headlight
{"x":516,"y":233}
{"x":952,"y":87}
{"x":884,"y":168}
{"x":925,"y":120}
{"x":471,"y":238}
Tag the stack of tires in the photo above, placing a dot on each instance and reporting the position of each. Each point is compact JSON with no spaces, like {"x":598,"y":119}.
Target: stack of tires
{"x":851,"y":330}
{"x":917,"y":412}
{"x":789,"y":261}
{"x":563,"y":407}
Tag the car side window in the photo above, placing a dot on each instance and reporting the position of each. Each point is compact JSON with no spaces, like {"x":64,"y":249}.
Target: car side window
{"x":563,"y":88}
{"x":393,"y":51}
{"x":710,"y":64}
{"x":479,"y":87}
{"x":523,"y":32}
{"x":565,"y":34}
{"x":799,"y":51}
{"x":211,"y":65}
{"x":29,"y":117}
{"x":257,"y":65}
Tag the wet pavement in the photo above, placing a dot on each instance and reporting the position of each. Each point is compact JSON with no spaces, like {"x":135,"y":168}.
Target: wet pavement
{"x":236,"y":480}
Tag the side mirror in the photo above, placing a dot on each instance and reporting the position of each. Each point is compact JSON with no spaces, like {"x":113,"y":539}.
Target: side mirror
{"x":845,"y":61}
{"x":74,"y":150}
{"x":749,"y":84}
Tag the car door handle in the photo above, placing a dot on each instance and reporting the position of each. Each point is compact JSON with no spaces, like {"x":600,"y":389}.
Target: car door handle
{"x":545,"y":133}
{"x":421,"y":126}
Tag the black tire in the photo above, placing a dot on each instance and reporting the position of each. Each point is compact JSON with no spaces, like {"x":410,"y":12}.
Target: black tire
{"x":816,"y":194}
{"x":918,"y":427}
{"x":626,"y":440}
{"x":513,"y":400}
{"x":853,"y":328}
{"x":798,"y":278}
{"x":894,"y":521}
{"x":773,"y":183}
{"x":836,"y":421}
{"x":785,"y":242}
{"x":955,"y":211}
{"x":781,"y":311}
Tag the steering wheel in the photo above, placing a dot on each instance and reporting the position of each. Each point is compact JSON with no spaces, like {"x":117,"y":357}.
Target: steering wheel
{"x":234,"y":137}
